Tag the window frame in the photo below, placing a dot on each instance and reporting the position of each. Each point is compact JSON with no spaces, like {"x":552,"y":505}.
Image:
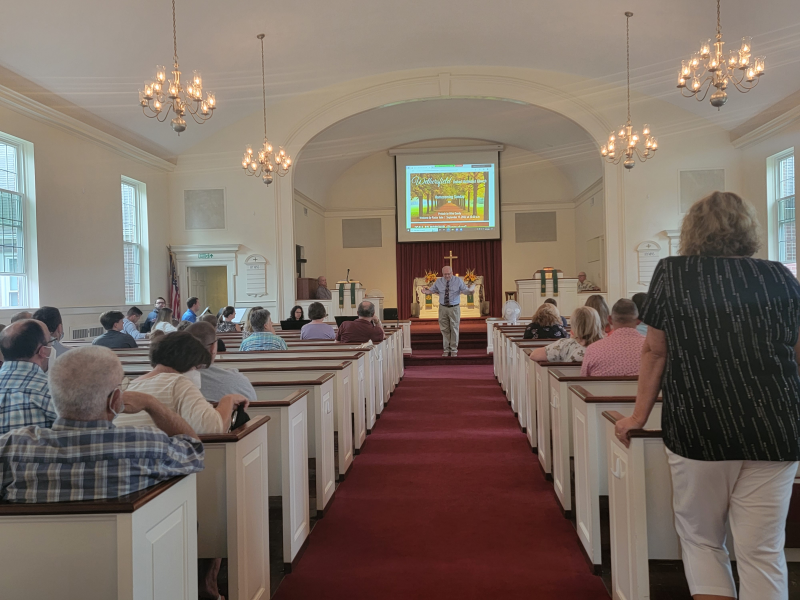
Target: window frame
{"x":141,"y":243}
{"x":28,"y":283}
{"x":775,"y":208}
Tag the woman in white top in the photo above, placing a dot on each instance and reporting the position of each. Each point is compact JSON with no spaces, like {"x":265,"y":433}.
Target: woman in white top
{"x":175,"y":382}
{"x":164,"y":321}
{"x":586,"y":329}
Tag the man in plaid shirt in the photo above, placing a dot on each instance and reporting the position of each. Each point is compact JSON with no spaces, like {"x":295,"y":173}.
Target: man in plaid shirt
{"x":24,"y":392}
{"x":84,"y":456}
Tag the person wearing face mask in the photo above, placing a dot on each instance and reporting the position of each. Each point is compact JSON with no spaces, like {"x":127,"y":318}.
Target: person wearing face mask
{"x":96,"y":457}
{"x":24,"y":390}
{"x":51,"y":317}
{"x":175,"y":382}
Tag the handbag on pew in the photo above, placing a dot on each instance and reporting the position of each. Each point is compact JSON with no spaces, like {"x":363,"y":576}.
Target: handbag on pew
{"x":239,"y":417}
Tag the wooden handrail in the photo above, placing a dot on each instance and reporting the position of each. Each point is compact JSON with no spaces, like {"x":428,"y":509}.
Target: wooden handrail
{"x":561,"y":376}
{"x":236,"y":434}
{"x":585,"y":395}
{"x":318,"y":381}
{"x":614,"y":416}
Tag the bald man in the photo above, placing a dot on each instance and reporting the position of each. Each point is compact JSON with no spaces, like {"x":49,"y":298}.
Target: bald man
{"x":449,"y":289}
{"x":24,"y":390}
{"x":584,"y":285}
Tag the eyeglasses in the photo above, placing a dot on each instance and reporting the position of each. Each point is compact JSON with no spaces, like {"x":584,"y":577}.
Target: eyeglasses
{"x":123,"y":386}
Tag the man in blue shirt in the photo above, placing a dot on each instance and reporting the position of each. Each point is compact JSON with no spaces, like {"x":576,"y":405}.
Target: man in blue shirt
{"x":24,"y":390}
{"x":193,"y":305}
{"x":449,"y":289}
{"x":129,"y":323}
{"x":153,"y":315}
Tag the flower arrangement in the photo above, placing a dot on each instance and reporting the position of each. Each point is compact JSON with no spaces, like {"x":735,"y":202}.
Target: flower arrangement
{"x":470,"y":278}
{"x":430,"y":277}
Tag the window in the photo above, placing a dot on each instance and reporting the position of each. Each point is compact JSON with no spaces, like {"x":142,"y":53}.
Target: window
{"x":13,"y":276}
{"x":134,"y":238}
{"x":784,"y":196}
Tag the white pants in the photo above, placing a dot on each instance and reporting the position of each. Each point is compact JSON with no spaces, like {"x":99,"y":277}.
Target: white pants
{"x":754,"y":496}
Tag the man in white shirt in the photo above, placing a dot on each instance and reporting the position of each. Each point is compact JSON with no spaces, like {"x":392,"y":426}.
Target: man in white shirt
{"x":129,"y":323}
{"x":584,"y":285}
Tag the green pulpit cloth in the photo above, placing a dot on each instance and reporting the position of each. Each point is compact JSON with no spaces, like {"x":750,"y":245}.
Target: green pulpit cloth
{"x":543,"y":273}
{"x":428,"y":300}
{"x":352,"y":294}
{"x":470,"y":300}
{"x":341,"y":295}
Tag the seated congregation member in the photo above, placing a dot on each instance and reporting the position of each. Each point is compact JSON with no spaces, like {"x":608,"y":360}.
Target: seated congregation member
{"x":246,"y":329}
{"x":586,"y":330}
{"x":262,"y":336}
{"x":618,"y":354}
{"x":152,"y":316}
{"x":296,"y":314}
{"x":51,"y":317}
{"x":597,"y":302}
{"x":584,"y":285}
{"x":545,"y":325}
{"x":193,"y":307}
{"x":175,"y":382}
{"x":24,"y":390}
{"x":323,"y":293}
{"x":93,"y":457}
{"x":730,"y":394}
{"x":317,"y":329}
{"x":225,"y":323}
{"x":554,"y":303}
{"x":367,"y":327}
{"x":114,"y":337}
{"x":217,"y":382}
{"x":639,"y":300}
{"x":21,"y":316}
{"x":184,"y":325}
{"x":164,"y":321}
{"x":130,"y":321}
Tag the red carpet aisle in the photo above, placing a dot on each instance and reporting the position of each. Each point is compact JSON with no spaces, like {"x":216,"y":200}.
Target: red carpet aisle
{"x":445,"y":501}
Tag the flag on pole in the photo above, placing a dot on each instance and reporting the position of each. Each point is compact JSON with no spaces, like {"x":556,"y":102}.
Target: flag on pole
{"x":174,"y":288}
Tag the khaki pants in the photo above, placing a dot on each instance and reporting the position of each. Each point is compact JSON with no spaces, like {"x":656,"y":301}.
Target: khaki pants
{"x":449,"y":316}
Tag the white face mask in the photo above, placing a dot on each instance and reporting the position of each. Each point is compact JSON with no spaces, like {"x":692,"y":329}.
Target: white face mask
{"x":194,"y":377}
{"x":51,"y":358}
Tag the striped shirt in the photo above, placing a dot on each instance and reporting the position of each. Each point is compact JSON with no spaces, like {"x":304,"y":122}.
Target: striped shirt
{"x":130,"y":328}
{"x":88,"y":460}
{"x":24,"y":396}
{"x":262,"y":340}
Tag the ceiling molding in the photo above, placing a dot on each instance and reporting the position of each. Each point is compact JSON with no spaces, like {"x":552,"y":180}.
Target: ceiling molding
{"x":49,"y":116}
{"x":358,"y":213}
{"x":481,"y":148}
{"x":768,"y":129}
{"x":308,"y":203}
{"x":590,"y":191}
{"x":521,"y":207}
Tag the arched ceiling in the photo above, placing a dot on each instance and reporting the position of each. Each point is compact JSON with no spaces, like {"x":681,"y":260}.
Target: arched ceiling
{"x":95,"y":54}
{"x":547,"y":134}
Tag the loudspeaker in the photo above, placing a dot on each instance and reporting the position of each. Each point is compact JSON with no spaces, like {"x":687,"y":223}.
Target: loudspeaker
{"x":414,"y":310}
{"x":486,"y":308}
{"x":390,"y":314}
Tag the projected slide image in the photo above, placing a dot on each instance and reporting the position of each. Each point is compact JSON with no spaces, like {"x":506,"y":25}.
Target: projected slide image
{"x":449,"y":197}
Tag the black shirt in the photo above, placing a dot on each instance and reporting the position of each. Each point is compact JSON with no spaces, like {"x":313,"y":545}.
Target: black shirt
{"x":115,"y":339}
{"x":731,"y":389}
{"x":534,"y":331}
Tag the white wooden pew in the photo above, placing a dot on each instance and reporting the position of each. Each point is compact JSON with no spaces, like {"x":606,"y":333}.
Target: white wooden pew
{"x":320,"y":427}
{"x":561,"y":422}
{"x":137,"y":547}
{"x":541,"y":374}
{"x":591,"y":459}
{"x":519,"y":370}
{"x":288,"y":433}
{"x":532,"y":414}
{"x":233,"y":507}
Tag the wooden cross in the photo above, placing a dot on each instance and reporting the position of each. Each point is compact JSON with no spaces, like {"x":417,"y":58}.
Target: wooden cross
{"x":451,"y":258}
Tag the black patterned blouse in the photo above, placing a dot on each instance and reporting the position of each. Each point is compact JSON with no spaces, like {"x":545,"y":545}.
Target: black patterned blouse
{"x":534,"y":331}
{"x":731,"y":387}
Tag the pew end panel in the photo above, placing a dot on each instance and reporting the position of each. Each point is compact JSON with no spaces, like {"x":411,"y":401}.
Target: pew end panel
{"x":136,"y":547}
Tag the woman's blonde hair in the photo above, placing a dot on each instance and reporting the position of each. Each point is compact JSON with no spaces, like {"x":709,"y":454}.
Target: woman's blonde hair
{"x":586,"y":325}
{"x":721,"y":224}
{"x":597,"y":302}
{"x":546,"y":315}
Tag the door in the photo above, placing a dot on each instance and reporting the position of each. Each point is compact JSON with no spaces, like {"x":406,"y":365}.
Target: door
{"x":198,"y":285}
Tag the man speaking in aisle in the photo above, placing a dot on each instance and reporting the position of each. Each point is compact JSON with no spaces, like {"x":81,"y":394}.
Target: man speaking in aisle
{"x":449,"y":289}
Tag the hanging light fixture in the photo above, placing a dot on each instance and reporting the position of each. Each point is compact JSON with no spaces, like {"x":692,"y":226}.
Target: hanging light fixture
{"x":267,"y":162}
{"x":711,"y":68}
{"x":626,"y":138}
{"x":160,"y":96}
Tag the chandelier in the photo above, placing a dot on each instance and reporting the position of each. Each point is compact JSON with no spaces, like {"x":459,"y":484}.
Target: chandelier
{"x":710,"y":68}
{"x":267,"y":162}
{"x":626,"y":137}
{"x":159,"y":97}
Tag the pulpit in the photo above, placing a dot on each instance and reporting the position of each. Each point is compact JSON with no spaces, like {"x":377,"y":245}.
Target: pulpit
{"x":430,"y":309}
{"x":531,"y":296}
{"x":346,"y":305}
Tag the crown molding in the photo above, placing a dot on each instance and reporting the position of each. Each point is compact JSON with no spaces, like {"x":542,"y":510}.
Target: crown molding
{"x":590,"y":191}
{"x":768,"y":129}
{"x":521,"y":207}
{"x":49,"y":116}
{"x":481,"y":148}
{"x":308,"y":203}
{"x":359,"y":213}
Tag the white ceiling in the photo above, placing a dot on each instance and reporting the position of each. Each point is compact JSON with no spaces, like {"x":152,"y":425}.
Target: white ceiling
{"x":96,"y":53}
{"x":547,"y":134}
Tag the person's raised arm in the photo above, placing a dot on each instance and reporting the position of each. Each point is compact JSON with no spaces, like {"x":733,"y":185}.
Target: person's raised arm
{"x":654,"y":361}
{"x":166,"y":420}
{"x":539,"y":354}
{"x":226,"y":406}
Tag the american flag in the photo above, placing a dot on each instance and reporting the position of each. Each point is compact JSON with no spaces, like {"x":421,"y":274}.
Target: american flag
{"x":174,"y":288}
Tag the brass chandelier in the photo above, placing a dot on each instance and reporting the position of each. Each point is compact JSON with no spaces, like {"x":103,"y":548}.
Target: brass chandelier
{"x":626,"y":138}
{"x":711,"y":68}
{"x":159,"y":97}
{"x":267,"y":162}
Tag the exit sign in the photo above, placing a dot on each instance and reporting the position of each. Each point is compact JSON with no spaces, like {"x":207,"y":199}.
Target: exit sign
{"x":205,"y":255}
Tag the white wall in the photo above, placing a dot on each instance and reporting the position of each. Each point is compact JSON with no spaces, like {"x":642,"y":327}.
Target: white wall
{"x":79,"y":215}
{"x":309,"y":232}
{"x":589,"y":224}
